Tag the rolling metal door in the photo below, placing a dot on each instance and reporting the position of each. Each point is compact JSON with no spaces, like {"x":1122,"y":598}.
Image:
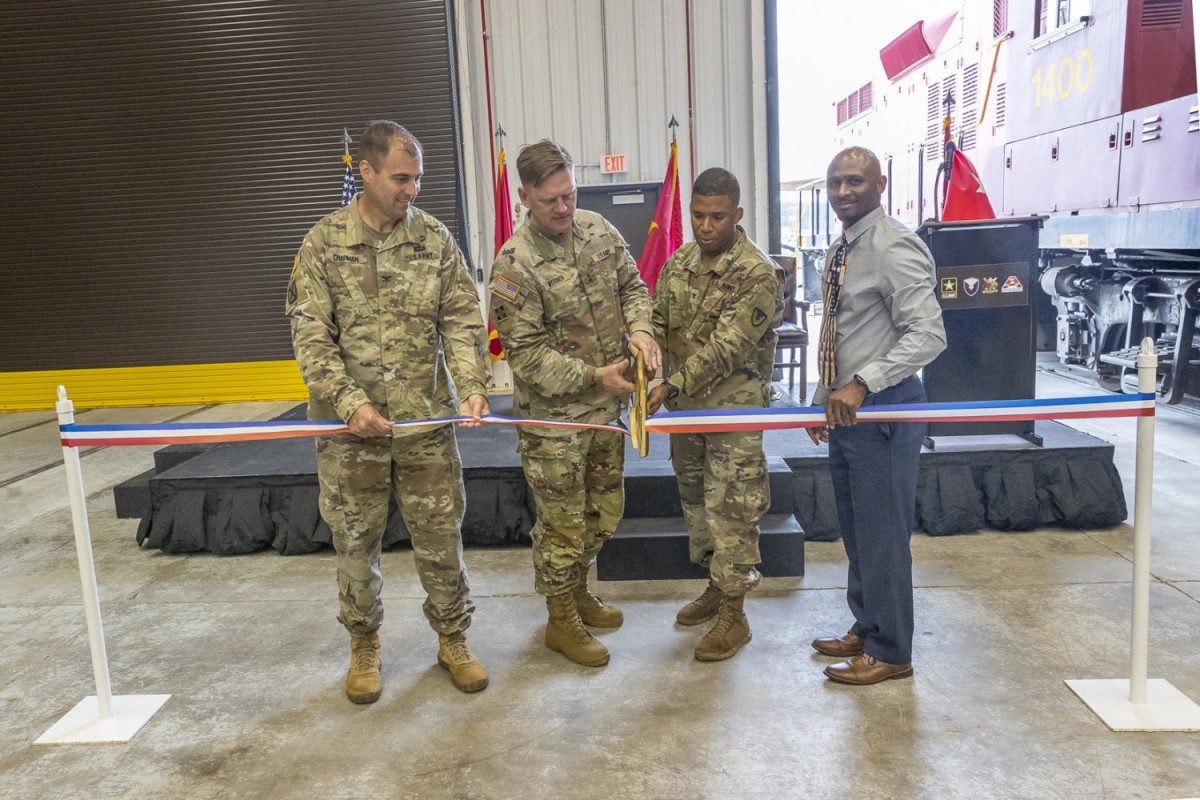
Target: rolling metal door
{"x":164,"y":160}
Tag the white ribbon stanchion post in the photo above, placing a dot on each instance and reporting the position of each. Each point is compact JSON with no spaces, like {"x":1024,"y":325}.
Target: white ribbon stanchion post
{"x":1137,"y":704}
{"x":102,"y":717}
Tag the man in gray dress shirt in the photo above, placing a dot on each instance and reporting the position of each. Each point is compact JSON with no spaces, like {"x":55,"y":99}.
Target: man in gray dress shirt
{"x":882,"y":325}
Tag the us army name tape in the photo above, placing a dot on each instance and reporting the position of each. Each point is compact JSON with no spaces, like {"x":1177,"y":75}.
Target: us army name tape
{"x":700,"y":421}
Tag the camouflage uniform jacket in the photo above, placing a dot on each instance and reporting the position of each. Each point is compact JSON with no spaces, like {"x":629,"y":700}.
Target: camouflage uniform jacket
{"x":717,"y":321}
{"x":367,"y":323}
{"x":562,"y":311}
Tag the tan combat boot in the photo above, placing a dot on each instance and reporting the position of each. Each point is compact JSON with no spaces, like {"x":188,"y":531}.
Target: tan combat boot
{"x":703,"y":608}
{"x":727,"y":636}
{"x":565,"y":633}
{"x":465,"y":670}
{"x":363,"y":683}
{"x":594,"y":611}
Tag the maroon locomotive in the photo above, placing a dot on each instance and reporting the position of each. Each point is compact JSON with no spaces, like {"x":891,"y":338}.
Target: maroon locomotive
{"x":1085,"y":112}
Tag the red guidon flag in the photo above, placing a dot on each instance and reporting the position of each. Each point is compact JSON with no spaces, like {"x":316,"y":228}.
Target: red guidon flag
{"x":965,"y":196}
{"x":666,"y":230}
{"x":504,"y":230}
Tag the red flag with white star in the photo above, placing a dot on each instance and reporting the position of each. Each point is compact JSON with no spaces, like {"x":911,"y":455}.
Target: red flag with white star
{"x":965,"y":196}
{"x":666,"y":229}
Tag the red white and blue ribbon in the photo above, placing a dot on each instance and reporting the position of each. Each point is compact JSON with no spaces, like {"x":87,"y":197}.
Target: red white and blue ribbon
{"x":118,"y":435}
{"x":81,"y":435}
{"x":701,"y":421}
{"x":766,"y":419}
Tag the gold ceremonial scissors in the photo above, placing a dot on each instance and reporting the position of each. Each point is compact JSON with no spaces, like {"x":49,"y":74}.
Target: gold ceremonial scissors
{"x":637,"y":410}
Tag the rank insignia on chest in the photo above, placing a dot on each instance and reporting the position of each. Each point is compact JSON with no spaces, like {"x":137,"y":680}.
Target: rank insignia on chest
{"x":506,"y":288}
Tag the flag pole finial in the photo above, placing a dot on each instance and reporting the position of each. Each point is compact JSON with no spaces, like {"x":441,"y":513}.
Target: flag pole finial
{"x":349,"y":187}
{"x":673,"y":124}
{"x":500,"y":134}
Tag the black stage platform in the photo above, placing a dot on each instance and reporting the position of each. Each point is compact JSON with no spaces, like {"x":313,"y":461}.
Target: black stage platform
{"x":242,"y":497}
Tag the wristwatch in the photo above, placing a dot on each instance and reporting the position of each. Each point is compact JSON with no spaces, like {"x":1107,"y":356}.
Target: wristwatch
{"x":861,"y":382}
{"x":671,"y":391}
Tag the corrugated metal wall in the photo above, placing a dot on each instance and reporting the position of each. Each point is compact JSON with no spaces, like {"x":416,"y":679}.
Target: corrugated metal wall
{"x":605,"y":76}
{"x":163,"y":161}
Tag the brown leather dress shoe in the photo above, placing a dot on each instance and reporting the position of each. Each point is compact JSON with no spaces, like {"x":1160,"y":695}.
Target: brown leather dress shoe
{"x":839,"y":646}
{"x":864,"y":670}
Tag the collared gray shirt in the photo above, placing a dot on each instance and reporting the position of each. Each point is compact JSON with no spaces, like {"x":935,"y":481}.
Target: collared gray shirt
{"x":889,"y":323}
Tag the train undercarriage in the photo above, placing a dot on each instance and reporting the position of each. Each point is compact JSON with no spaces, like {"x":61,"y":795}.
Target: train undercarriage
{"x":1108,"y":301}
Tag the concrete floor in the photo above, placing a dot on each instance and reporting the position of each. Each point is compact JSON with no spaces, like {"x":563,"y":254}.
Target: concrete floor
{"x":250,"y":652}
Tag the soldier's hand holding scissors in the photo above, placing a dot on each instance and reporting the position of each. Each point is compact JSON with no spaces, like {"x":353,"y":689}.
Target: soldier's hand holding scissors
{"x":654,"y":402}
{"x":612,"y":378}
{"x":640,"y":341}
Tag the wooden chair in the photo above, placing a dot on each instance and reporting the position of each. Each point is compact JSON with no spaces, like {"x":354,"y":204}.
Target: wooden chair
{"x":793,"y":332}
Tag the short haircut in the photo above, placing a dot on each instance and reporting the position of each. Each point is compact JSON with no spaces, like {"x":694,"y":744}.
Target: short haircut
{"x":717,"y":182}
{"x":538,"y":162}
{"x":861,"y":153}
{"x":379,"y":136}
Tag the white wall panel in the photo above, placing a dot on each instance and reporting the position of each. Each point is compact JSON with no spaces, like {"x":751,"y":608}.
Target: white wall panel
{"x":604,"y":77}
{"x":723,"y":114}
{"x":588,"y":100}
{"x":562,"y":29}
{"x":648,"y":133}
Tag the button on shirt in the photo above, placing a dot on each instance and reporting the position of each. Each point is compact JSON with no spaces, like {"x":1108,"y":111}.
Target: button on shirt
{"x":889,"y":323}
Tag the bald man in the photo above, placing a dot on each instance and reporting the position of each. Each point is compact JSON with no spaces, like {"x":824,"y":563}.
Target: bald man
{"x":882,"y":324}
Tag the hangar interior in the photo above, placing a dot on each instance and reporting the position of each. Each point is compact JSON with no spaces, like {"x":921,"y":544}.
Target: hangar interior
{"x":192,"y":145}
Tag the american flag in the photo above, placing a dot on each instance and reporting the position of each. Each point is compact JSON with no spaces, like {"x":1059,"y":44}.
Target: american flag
{"x":349,"y":189}
{"x":505,"y":288}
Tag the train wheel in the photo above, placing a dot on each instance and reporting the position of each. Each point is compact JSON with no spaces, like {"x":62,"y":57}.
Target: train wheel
{"x":1108,"y":377}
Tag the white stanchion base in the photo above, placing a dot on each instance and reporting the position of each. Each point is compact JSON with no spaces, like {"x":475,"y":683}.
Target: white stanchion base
{"x":83,"y":723}
{"x":1166,"y":708}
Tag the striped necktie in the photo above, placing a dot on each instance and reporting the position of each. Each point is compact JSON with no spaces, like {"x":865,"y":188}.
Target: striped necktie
{"x":831,"y":293}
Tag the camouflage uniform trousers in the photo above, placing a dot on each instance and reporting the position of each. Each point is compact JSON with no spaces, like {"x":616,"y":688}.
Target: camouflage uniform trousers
{"x":357,"y":478}
{"x":724,"y":489}
{"x":577,"y":483}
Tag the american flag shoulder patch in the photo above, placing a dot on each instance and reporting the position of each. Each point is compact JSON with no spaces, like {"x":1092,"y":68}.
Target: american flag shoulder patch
{"x":506,"y":288}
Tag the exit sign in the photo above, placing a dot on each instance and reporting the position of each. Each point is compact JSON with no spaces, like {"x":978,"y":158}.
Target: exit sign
{"x":612,"y":164}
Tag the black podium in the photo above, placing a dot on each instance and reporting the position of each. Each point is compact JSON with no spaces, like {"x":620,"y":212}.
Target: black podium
{"x":986,"y":276}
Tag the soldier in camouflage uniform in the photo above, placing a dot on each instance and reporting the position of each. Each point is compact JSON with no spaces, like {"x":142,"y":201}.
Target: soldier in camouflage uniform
{"x":383,"y":312}
{"x":564,"y":293}
{"x":716,"y":307}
